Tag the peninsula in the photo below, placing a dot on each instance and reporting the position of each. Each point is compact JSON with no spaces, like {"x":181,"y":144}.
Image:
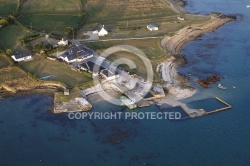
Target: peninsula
{"x":43,"y":49}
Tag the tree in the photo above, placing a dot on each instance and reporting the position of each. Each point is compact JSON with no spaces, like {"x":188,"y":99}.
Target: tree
{"x":11,"y":19}
{"x":69,"y":31}
{"x":9,"y":52}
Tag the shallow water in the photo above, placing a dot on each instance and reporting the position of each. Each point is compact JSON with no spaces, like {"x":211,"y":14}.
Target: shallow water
{"x":32,"y":136}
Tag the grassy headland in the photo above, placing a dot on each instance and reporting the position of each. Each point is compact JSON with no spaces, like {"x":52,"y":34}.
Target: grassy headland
{"x":41,"y":67}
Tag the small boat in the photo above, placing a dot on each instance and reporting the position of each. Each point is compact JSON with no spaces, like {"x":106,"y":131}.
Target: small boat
{"x":248,"y":6}
{"x":221,"y":87}
{"x":234,"y":87}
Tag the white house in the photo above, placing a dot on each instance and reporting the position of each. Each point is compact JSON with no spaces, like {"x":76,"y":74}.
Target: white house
{"x":181,"y":18}
{"x":63,"y":42}
{"x":19,"y":57}
{"x":152,"y":27}
{"x":101,"y":31}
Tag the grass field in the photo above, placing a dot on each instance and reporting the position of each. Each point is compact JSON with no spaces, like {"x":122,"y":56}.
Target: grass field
{"x":100,"y":10}
{"x":17,"y":79}
{"x":130,"y":18}
{"x":51,"y":6}
{"x":128,"y":15}
{"x":7,"y":7}
{"x":49,"y":23}
{"x":52,"y":16}
{"x":140,"y":67}
{"x":41,"y":67}
{"x":9,"y":36}
{"x":4,"y":62}
{"x":151,"y":47}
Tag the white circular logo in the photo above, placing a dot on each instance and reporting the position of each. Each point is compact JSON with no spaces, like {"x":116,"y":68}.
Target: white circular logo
{"x":113,"y":76}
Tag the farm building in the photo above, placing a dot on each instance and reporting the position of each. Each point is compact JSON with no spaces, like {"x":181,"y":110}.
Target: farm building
{"x":66,"y":92}
{"x":19,"y":57}
{"x":181,"y":18}
{"x":152,"y":27}
{"x":101,"y":31}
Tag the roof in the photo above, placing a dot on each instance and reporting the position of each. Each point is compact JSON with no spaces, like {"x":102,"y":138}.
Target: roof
{"x":152,"y":26}
{"x":66,"y":90}
{"x":75,"y":52}
{"x":107,"y":73}
{"x":80,"y":50}
{"x":100,"y":30}
{"x":92,"y":66}
{"x":19,"y":55}
{"x":71,"y":57}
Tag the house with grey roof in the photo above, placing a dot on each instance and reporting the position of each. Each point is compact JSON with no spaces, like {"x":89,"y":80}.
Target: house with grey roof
{"x":19,"y":57}
{"x":77,"y":53}
{"x":152,"y":27}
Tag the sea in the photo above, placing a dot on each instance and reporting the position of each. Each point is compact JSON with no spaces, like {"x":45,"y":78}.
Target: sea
{"x":30,"y":135}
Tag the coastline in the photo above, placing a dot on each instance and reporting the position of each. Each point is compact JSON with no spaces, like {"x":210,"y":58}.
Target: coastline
{"x":178,"y":5}
{"x":7,"y":94}
{"x":173,"y":45}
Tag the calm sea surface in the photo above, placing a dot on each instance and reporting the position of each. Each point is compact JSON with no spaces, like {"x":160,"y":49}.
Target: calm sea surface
{"x":29,"y":135}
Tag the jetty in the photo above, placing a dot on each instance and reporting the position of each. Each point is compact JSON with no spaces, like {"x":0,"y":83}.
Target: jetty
{"x":227,"y":107}
{"x":193,"y":113}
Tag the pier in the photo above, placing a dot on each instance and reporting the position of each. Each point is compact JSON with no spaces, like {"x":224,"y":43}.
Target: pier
{"x":193,"y":113}
{"x":228,"y":106}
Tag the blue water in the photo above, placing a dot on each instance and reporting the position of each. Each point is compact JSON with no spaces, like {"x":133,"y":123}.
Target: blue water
{"x":30,"y":135}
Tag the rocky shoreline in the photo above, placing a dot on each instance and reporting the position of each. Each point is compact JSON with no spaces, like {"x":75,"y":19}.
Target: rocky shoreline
{"x":174,"y":44}
{"x":178,"y":5}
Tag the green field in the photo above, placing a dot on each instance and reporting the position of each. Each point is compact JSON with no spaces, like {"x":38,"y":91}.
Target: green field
{"x":109,"y":10}
{"x":52,"y":16}
{"x":7,"y":7}
{"x":130,"y":18}
{"x":4,"y":62}
{"x":51,"y":7}
{"x":151,"y":47}
{"x":41,"y":67}
{"x":49,"y":23}
{"x":10,"y":35}
{"x":140,"y":67}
